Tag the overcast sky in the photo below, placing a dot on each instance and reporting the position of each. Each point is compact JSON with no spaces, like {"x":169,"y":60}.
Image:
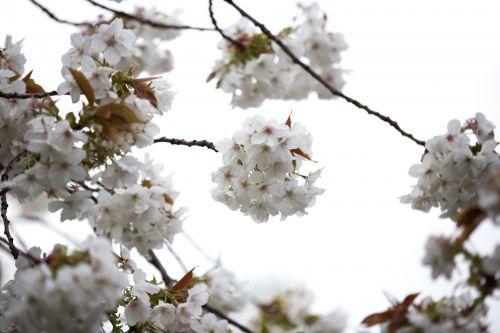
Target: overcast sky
{"x":421,"y":63}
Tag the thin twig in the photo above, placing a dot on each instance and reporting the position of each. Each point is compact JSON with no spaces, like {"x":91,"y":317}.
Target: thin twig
{"x":229,"y":320}
{"x":318,"y":78}
{"x":28,"y":95}
{"x":219,"y":30}
{"x":182,"y":142}
{"x":148,"y":22}
{"x":198,"y":247}
{"x":176,"y":256}
{"x":24,"y":254}
{"x":169,"y":282}
{"x":57,"y":19}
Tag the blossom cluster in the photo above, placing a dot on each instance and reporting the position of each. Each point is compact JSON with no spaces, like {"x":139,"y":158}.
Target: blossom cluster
{"x":64,"y":292}
{"x":150,"y":53}
{"x":257,"y":69}
{"x":454,"y":169}
{"x":80,"y":159}
{"x":261,"y":172}
{"x":290,"y":312}
{"x":227,"y":294}
{"x":14,"y":114}
{"x":458,"y":314}
{"x":139,"y":211}
{"x":149,"y":306}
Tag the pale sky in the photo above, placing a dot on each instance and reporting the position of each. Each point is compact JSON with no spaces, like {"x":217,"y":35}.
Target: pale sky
{"x":422,"y":63}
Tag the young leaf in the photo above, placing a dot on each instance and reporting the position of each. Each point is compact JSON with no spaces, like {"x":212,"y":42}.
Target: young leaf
{"x":31,"y":85}
{"x":84,"y":85}
{"x":184,"y":282}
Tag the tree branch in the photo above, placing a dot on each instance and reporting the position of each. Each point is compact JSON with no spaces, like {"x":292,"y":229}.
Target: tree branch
{"x":219,"y":30}
{"x":182,"y":142}
{"x":27,"y":95}
{"x":318,"y":78}
{"x":57,"y":19}
{"x":13,"y":249}
{"x":4,"y":205}
{"x":229,"y":320}
{"x":148,"y":22}
{"x":169,"y":282}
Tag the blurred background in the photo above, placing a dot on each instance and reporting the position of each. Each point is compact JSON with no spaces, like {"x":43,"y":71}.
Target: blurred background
{"x":422,"y":63}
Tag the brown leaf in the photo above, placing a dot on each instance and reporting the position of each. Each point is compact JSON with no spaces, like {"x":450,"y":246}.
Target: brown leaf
{"x":288,"y":122}
{"x":83,"y":84}
{"x":408,"y":301}
{"x":117,"y":110}
{"x":184,"y":282}
{"x":377,"y":318}
{"x":31,"y":85}
{"x":298,"y":151}
{"x":168,"y":199}
{"x":396,"y":314}
{"x":144,"y":91}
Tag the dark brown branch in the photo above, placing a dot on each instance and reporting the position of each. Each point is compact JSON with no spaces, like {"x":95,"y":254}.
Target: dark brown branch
{"x":146,"y":21}
{"x":219,"y":30}
{"x":57,"y":19}
{"x":182,"y":142}
{"x":318,"y":78}
{"x":27,"y":95}
{"x":169,"y":282}
{"x":229,"y":320}
{"x":13,"y":249}
{"x":4,"y":205}
{"x":24,"y":254}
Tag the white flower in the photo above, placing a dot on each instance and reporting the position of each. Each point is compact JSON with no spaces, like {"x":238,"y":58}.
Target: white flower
{"x":439,"y":255}
{"x":73,"y":205}
{"x":114,"y":41}
{"x":209,"y":324}
{"x":80,"y":53}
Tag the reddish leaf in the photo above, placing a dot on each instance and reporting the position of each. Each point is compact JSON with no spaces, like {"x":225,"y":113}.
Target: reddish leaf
{"x":298,"y":151}
{"x":288,"y":122}
{"x":31,"y":85}
{"x":84,"y":85}
{"x":184,"y":282}
{"x":377,"y":318}
{"x":144,"y":91}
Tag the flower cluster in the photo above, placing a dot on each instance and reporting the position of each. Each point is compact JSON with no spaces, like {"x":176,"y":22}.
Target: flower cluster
{"x":14,"y":113}
{"x":453,"y":169}
{"x":458,"y":314}
{"x":261,"y":172}
{"x":64,"y":292}
{"x":139,"y":211}
{"x":149,"y":54}
{"x":153,"y":57}
{"x":80,"y":160}
{"x":227,"y":294}
{"x":147,"y":306}
{"x":290,"y":312}
{"x":258,"y":69}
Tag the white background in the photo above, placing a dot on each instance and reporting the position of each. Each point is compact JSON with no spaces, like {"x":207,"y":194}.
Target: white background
{"x":420,"y":62}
